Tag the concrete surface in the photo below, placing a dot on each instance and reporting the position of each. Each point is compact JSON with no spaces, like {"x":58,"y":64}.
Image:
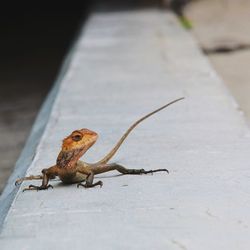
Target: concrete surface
{"x":225,"y":23}
{"x":126,"y":64}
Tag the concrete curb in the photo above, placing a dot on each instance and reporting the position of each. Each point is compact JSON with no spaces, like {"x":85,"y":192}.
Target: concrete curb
{"x":126,"y":64}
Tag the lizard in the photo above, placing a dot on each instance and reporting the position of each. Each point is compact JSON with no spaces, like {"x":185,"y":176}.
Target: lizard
{"x":71,"y":170}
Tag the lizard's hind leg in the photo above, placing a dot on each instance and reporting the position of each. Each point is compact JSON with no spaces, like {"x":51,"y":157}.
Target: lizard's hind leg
{"x":123,"y":170}
{"x":31,"y":177}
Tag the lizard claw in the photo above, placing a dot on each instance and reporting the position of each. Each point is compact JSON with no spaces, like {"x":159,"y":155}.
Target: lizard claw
{"x":153,"y":171}
{"x":79,"y":184}
{"x":99,"y":183}
{"x":18,"y":182}
{"x":166,"y":170}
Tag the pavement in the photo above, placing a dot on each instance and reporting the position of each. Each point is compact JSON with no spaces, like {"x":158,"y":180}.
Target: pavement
{"x":225,"y":23}
{"x":124,"y":65}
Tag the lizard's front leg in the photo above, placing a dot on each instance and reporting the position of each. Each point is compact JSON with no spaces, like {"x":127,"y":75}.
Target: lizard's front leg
{"x":47,"y":173}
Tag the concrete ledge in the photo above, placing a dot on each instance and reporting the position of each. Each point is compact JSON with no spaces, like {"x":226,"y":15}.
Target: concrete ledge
{"x":124,"y":65}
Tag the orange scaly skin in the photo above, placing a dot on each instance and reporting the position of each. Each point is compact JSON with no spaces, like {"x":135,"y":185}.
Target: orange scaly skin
{"x":71,"y":170}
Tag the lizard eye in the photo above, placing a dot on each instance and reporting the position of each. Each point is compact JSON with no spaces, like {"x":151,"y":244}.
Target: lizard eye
{"x":76,"y":137}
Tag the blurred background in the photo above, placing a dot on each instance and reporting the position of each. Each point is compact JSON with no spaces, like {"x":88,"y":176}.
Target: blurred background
{"x":35,"y":39}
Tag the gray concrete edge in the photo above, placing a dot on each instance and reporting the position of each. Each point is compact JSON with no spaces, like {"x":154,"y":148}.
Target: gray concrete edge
{"x":27,"y":155}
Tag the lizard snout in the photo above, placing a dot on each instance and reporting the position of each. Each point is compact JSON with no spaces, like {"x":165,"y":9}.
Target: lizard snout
{"x":93,"y":136}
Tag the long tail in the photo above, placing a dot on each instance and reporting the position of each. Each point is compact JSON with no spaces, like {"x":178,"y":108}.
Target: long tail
{"x":119,"y":143}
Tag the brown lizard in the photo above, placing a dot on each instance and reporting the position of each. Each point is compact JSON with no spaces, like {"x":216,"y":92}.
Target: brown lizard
{"x":71,"y":170}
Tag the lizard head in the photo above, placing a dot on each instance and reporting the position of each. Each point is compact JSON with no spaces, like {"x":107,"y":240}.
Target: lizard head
{"x":79,"y":139}
{"x":74,"y":146}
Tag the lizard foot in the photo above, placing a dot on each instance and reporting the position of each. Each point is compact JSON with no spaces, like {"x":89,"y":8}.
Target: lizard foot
{"x":37,"y":188}
{"x":99,"y":183}
{"x":18,"y":181}
{"x":153,"y":171}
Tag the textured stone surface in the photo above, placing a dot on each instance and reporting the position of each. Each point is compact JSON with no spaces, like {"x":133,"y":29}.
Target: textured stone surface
{"x":126,"y":64}
{"x":225,"y":22}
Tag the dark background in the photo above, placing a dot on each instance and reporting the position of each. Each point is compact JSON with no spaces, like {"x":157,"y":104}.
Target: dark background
{"x":34,"y":41}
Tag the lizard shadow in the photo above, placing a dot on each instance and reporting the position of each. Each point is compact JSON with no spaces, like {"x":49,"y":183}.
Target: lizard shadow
{"x":108,"y":176}
{"x":59,"y":184}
